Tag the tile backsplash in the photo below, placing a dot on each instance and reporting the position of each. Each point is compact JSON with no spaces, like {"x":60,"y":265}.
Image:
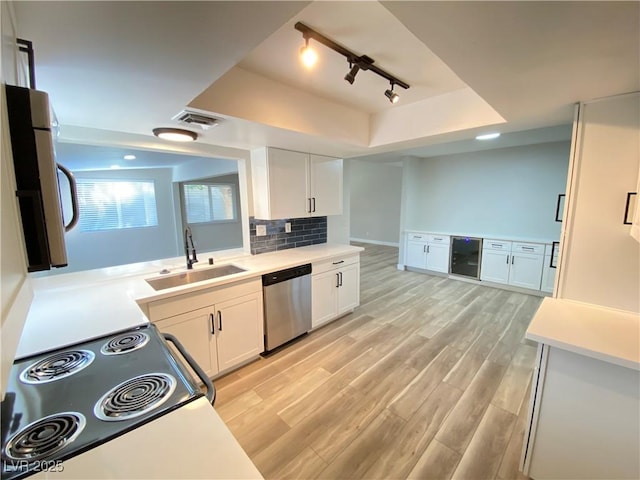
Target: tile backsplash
{"x":304,"y":231}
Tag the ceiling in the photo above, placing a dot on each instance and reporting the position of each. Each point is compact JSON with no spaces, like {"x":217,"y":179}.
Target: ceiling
{"x":81,"y":157}
{"x":127,"y":67}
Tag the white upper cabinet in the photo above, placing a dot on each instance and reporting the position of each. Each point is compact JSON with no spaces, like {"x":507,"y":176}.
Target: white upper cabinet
{"x":290,"y":184}
{"x":325,"y":185}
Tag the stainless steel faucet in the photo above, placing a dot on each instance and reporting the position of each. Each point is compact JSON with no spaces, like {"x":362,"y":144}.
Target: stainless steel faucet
{"x":191,"y":259}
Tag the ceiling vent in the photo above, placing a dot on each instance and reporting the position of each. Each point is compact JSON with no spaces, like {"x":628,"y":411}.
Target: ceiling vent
{"x":196,"y":120}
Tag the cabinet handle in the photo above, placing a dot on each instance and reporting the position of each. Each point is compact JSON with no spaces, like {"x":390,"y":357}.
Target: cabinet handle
{"x":213,"y":325}
{"x":627,"y":208}
{"x":513,"y":259}
{"x":553,"y":250}
{"x":496,"y":245}
{"x":337,"y":280}
{"x":507,"y":259}
{"x":437,"y":239}
{"x":309,"y":210}
{"x":560,"y":197}
{"x":314,"y":204}
{"x":424,"y":249}
{"x":428,"y":248}
{"x":340,"y":278}
{"x":528,"y":248}
{"x":338,"y":263}
{"x":219,"y":320}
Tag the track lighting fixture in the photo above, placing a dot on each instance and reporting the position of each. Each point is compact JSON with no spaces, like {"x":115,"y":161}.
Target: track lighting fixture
{"x":307,"y":54}
{"x":175,"y":134}
{"x":391,"y":95}
{"x":356,"y":62}
{"x":351,"y":76}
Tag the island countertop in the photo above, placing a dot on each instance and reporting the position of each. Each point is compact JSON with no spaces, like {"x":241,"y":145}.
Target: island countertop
{"x":591,"y":330}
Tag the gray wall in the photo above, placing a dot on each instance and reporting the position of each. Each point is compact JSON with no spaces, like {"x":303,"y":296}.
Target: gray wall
{"x":376,"y":192}
{"x":88,"y":250}
{"x":209,"y":237}
{"x":509,"y":192}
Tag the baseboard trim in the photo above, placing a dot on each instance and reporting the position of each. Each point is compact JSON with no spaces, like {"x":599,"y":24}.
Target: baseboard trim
{"x":375,"y":242}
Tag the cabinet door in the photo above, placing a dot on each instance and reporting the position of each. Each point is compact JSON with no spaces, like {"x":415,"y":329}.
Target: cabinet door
{"x":495,"y":266}
{"x":195,"y":331}
{"x":239,"y":329}
{"x":349,"y":290}
{"x":416,"y":254}
{"x":325,"y":185}
{"x":526,"y":270}
{"x":287,"y":184}
{"x":548,"y":275}
{"x":437,"y":258}
{"x":324,"y":297}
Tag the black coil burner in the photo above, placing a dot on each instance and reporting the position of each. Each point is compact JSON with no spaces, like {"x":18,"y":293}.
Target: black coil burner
{"x":57,"y":366}
{"x":41,"y":439}
{"x":135,"y":397}
{"x":125,"y":343}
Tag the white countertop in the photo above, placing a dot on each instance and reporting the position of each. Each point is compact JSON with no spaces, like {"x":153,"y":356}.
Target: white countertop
{"x":74,"y":307}
{"x":192,"y":442}
{"x":591,"y":330}
{"x":487,"y":236}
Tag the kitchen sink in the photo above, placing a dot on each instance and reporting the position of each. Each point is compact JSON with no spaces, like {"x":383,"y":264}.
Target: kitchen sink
{"x":193,"y":276}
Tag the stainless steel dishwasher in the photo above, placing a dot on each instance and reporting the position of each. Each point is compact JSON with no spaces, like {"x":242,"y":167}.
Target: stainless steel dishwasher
{"x":287,"y":305}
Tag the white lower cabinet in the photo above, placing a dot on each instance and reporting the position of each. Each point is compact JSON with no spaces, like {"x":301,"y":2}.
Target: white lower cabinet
{"x":416,"y":254}
{"x":583,"y":418}
{"x":549,"y":269}
{"x":193,"y":329}
{"x":526,"y":270}
{"x":496,"y":260}
{"x":335,"y":289}
{"x":428,"y":252}
{"x":220,"y":328}
{"x":516,"y":264}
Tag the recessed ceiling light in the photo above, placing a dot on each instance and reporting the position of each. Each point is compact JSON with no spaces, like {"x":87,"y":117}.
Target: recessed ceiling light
{"x":175,"y":134}
{"x":488,"y":136}
{"x":129,"y":157}
{"x":114,"y":167}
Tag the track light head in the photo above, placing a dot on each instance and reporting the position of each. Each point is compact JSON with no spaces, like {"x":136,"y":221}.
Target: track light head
{"x":307,"y":54}
{"x":391,"y":95}
{"x":351,"y":76}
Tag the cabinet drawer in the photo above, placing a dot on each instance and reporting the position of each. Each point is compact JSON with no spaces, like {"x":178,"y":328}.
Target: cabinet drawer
{"x":337,"y":262}
{"x":440,"y":239}
{"x":498,"y":245}
{"x":534,"y":248}
{"x":420,"y":237}
{"x":187,"y":302}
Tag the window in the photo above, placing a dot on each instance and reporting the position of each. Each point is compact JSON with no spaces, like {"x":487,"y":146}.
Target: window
{"x":209,"y":202}
{"x":116,"y":204}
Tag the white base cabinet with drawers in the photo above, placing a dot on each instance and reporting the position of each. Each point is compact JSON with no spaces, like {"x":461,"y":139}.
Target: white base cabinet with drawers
{"x":428,"y":252}
{"x":335,"y":288}
{"x":512,"y":263}
{"x":221,"y":328}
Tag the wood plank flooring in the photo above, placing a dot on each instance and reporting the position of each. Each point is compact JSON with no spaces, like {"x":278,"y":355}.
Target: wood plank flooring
{"x":428,"y":379}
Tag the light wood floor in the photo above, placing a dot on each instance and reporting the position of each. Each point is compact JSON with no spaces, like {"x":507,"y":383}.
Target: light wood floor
{"x":429,"y":378}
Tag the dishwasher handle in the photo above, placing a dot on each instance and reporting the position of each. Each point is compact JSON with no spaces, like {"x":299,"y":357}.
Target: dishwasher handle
{"x":211,"y":391}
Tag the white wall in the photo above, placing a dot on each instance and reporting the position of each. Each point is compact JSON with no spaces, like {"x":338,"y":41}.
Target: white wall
{"x":510,"y":192}
{"x":88,"y":250}
{"x":376,"y":192}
